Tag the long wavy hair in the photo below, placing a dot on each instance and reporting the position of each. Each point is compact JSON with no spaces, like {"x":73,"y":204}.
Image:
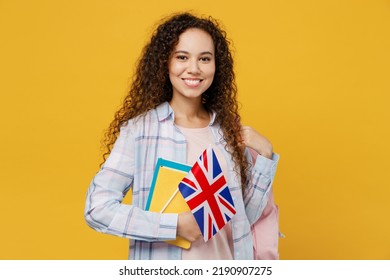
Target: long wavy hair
{"x":151,"y":85}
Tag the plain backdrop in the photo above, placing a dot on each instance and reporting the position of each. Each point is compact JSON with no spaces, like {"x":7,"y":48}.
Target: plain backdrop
{"x":313,"y":77}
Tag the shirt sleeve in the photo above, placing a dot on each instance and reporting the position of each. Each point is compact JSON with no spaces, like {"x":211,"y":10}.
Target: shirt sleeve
{"x":259,"y":183}
{"x":104,"y":210}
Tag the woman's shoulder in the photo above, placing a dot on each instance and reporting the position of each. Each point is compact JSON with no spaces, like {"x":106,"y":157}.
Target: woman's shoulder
{"x":149,"y":118}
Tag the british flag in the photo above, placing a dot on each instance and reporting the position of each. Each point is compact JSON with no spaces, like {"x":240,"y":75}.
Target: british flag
{"x":207,"y":194}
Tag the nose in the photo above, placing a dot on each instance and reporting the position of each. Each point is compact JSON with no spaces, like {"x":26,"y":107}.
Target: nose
{"x":193,"y":67}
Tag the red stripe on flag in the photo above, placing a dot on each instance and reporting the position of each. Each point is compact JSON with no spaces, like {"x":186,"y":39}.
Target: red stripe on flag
{"x":210,"y":227}
{"x":189,"y":182}
{"x":205,"y":160}
{"x":224,"y":203}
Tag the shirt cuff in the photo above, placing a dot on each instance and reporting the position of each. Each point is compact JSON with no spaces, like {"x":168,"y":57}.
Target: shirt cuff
{"x":168,"y":227}
{"x":265,"y":165}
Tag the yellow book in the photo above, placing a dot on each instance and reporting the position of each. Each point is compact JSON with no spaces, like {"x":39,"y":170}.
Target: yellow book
{"x":165,"y":197}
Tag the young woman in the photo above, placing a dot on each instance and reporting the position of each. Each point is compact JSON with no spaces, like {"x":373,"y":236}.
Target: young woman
{"x":182,"y":99}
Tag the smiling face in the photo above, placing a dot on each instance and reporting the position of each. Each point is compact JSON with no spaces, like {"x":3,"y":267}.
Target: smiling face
{"x":192,"y":64}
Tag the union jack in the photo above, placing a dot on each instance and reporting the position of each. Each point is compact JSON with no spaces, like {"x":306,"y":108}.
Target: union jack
{"x":207,"y":194}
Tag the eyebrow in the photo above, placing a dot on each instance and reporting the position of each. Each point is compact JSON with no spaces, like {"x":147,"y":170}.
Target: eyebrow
{"x":202,"y":53}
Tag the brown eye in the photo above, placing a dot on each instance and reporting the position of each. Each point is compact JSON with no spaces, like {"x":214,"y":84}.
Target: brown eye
{"x":181,"y":57}
{"x":205,"y":59}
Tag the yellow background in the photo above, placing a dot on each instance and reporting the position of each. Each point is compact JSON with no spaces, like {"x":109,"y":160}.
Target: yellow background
{"x":313,"y":76}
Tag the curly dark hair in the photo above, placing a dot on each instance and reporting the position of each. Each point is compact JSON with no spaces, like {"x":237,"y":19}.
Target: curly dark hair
{"x":146,"y":92}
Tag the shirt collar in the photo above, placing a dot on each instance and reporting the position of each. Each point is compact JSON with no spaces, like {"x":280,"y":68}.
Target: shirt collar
{"x":165,"y":111}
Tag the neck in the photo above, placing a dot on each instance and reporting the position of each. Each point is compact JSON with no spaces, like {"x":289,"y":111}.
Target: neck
{"x":190,"y":113}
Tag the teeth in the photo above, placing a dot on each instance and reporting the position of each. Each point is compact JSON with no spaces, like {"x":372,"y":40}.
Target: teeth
{"x":192,"y":82}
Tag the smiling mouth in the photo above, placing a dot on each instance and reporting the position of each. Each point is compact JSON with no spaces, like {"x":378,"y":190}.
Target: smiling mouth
{"x":192,"y":82}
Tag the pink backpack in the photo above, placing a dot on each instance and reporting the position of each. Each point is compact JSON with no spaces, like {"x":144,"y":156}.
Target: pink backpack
{"x":265,"y":232}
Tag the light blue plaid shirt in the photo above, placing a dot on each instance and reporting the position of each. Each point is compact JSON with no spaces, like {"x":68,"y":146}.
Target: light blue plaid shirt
{"x":131,"y":165}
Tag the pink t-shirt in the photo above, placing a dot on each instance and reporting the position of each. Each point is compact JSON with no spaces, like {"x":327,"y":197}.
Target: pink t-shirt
{"x":220,"y":246}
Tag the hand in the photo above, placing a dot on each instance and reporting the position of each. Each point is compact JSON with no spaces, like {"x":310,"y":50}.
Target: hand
{"x":252,"y":139}
{"x":187,"y":227}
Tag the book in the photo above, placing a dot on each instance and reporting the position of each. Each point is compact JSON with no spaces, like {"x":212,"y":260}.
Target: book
{"x":164,"y":195}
